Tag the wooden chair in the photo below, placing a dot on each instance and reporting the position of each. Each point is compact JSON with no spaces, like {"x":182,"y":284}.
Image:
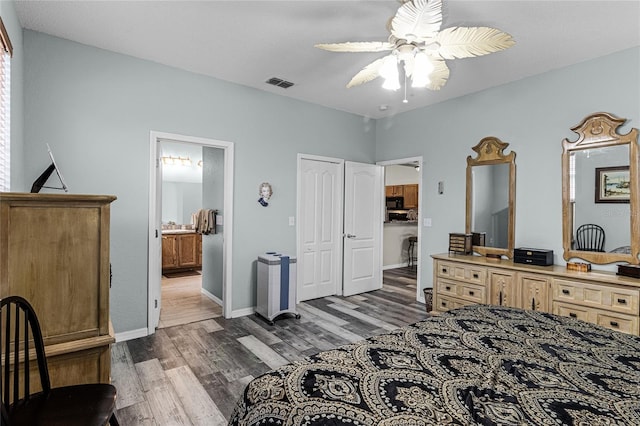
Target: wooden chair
{"x":88,"y":404}
{"x":590,"y":237}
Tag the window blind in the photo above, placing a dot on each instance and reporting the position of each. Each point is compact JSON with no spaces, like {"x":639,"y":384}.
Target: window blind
{"x":5,"y":109}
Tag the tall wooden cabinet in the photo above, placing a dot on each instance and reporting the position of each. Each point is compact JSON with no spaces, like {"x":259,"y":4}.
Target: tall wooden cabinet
{"x":54,"y":251}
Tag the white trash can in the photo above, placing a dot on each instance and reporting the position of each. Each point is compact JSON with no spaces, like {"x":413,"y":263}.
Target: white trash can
{"x":276,"y":286}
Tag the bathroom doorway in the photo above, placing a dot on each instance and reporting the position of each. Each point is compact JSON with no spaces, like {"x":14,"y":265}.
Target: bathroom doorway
{"x":184,"y":298}
{"x":210,"y":275}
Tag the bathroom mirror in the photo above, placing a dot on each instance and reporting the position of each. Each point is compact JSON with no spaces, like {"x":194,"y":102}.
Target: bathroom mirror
{"x":491,"y":197}
{"x":600,"y":192}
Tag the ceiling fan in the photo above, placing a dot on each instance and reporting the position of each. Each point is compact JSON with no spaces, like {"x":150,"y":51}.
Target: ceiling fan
{"x":416,"y":42}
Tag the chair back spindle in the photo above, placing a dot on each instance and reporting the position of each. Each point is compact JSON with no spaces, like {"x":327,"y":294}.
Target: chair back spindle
{"x":19,"y":333}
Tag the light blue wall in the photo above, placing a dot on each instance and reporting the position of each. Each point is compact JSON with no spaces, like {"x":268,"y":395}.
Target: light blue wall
{"x":11,"y":23}
{"x":96,"y":109}
{"x":533,"y":115}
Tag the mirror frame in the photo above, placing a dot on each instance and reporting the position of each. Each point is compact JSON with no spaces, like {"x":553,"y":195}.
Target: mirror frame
{"x":490,"y":150}
{"x":596,"y":131}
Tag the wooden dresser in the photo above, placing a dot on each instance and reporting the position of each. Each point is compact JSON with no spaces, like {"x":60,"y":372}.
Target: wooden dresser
{"x":598,"y":297}
{"x":54,"y":252}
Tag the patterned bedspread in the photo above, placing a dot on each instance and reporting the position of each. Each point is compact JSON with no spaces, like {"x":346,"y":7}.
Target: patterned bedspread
{"x":482,"y":365}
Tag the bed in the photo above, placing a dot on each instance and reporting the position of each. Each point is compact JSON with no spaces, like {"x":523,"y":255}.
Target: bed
{"x":479,"y":364}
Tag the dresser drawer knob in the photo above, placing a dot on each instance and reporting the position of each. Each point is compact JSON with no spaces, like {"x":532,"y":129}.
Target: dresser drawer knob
{"x":444,"y":270}
{"x":573,"y":315}
{"x":448,"y":288}
{"x":475,"y":276}
{"x":444,"y":304}
{"x":565,"y":291}
{"x":613,"y":323}
{"x":622,"y":301}
{"x":471,"y":293}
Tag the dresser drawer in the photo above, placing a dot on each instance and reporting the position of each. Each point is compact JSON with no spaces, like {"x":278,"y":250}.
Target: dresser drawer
{"x":463,"y":272}
{"x":612,"y":320}
{"x":472,"y":293}
{"x":445,"y":303}
{"x":447,"y":287}
{"x":618,"y":299}
{"x":618,"y":322}
{"x":573,"y":311}
{"x":461,"y":290}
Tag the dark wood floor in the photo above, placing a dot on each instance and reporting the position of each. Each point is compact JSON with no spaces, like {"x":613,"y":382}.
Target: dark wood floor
{"x":193,"y":374}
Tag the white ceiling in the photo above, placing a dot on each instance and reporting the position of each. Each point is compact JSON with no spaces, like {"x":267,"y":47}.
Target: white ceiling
{"x":248,"y":42}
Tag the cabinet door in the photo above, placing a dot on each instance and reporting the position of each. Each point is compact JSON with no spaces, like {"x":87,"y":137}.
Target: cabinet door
{"x":169,"y":251}
{"x":502,"y":288}
{"x":410,"y":196}
{"x":535,"y":292}
{"x":188,"y":250}
{"x":388,"y":190}
{"x":394,"y":190}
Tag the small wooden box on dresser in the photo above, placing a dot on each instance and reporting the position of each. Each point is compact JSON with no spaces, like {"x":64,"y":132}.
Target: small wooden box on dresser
{"x":599,"y":297}
{"x":54,"y":252}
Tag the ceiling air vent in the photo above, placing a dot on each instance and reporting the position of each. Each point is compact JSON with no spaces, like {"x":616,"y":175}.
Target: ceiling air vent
{"x":279,"y":82}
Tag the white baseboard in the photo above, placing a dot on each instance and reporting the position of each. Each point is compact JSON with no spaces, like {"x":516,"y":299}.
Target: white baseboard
{"x":243,"y":312}
{"x":212,"y":297}
{"x":131,"y":334}
{"x":399,"y":265}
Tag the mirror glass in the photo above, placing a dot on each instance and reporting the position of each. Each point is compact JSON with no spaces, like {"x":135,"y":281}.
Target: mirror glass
{"x":491,"y":182}
{"x":490,"y":204}
{"x":600,"y":192}
{"x":613,"y":217}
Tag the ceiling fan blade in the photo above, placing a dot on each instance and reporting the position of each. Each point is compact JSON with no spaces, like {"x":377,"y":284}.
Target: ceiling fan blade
{"x":417,"y":20}
{"x":352,"y":46}
{"x":368,"y":73}
{"x":467,"y":42}
{"x":440,"y":74}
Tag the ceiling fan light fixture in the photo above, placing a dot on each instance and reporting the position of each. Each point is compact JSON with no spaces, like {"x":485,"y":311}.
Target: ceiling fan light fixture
{"x":389,"y":72}
{"x":422,"y":68}
{"x":415,"y":30}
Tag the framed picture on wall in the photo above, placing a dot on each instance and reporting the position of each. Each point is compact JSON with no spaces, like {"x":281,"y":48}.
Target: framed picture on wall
{"x":612,"y":184}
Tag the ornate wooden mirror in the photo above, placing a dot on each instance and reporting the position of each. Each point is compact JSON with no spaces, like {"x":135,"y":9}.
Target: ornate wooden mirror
{"x":600,"y":187}
{"x":491,"y":198}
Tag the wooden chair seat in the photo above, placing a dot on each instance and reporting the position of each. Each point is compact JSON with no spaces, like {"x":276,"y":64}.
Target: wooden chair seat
{"x":90,"y":404}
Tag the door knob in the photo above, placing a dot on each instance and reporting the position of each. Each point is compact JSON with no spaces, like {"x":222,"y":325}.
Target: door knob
{"x":350,"y":236}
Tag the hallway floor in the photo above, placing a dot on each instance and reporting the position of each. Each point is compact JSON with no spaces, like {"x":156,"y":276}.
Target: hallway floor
{"x":184,"y":303}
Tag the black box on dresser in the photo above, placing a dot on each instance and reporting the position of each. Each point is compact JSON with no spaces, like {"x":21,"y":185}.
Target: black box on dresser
{"x":632,"y":271}
{"x":532,"y":256}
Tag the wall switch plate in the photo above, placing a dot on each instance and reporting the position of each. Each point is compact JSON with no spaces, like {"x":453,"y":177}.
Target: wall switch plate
{"x":292,"y":221}
{"x":427,"y":221}
{"x":219,"y":220}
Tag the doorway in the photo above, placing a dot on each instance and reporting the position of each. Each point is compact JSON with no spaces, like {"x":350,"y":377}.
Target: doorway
{"x":187,"y":292}
{"x":402,"y":236}
{"x":224,"y":218}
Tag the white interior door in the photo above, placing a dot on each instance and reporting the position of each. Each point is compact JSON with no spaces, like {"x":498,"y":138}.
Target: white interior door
{"x":319,"y":228}
{"x":155,"y":231}
{"x":364,"y":185}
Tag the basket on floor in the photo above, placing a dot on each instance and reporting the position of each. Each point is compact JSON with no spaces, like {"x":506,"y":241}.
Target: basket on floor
{"x":428,"y":299}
